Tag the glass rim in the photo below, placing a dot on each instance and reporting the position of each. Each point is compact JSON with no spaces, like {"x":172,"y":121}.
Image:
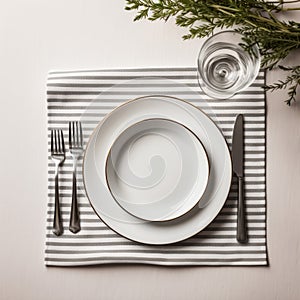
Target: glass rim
{"x":223,"y":93}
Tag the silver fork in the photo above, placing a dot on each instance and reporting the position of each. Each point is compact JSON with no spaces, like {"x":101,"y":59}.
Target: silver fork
{"x":76,"y":149}
{"x":58,"y":157}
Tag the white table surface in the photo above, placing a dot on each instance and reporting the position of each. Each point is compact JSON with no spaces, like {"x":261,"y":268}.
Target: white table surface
{"x":38,"y":35}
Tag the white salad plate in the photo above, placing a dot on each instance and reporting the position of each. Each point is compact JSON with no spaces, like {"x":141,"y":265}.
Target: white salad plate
{"x":157,"y":170}
{"x":101,"y":142}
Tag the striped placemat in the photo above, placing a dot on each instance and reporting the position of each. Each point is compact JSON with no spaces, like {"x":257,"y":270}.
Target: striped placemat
{"x":70,"y":93}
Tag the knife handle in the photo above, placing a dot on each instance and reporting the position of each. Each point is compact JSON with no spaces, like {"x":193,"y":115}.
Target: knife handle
{"x":241,"y":217}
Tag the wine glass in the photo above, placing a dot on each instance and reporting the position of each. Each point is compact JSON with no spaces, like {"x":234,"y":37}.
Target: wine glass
{"x":224,"y":67}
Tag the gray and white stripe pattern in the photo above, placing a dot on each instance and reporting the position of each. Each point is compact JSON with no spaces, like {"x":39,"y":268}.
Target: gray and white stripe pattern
{"x":68,"y":95}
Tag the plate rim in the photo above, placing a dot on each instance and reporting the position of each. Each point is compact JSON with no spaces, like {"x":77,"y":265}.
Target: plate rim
{"x":206,"y":179}
{"x":94,"y":133}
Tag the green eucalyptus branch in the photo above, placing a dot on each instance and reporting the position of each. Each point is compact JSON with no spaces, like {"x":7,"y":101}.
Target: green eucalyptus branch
{"x":255,"y":19}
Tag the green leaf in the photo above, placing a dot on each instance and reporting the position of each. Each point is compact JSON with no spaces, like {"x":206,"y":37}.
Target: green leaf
{"x":256,"y":19}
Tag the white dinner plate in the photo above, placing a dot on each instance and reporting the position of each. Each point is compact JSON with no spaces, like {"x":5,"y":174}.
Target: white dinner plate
{"x":157,"y":170}
{"x":129,"y":226}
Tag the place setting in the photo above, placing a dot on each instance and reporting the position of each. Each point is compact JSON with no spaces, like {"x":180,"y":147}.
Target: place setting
{"x":161,"y":165}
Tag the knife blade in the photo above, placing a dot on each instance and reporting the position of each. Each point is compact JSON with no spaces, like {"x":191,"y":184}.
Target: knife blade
{"x":238,"y":169}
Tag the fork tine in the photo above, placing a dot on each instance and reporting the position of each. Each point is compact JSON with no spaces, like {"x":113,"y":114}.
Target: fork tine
{"x":59,"y":141}
{"x":62,"y":141}
{"x":52,"y":141}
{"x":73,"y":134}
{"x":70,"y":134}
{"x":80,"y":135}
{"x":55,"y":141}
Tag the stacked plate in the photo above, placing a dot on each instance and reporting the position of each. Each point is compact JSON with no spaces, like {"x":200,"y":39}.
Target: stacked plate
{"x":157,"y":170}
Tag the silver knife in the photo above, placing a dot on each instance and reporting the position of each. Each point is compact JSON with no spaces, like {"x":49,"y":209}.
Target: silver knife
{"x":238,"y":169}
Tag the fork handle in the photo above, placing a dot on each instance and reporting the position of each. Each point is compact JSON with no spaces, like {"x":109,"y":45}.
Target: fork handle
{"x":57,"y":224}
{"x":74,"y":218}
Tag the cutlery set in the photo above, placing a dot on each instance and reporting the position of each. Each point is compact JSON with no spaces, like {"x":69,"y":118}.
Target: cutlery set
{"x":58,"y":154}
